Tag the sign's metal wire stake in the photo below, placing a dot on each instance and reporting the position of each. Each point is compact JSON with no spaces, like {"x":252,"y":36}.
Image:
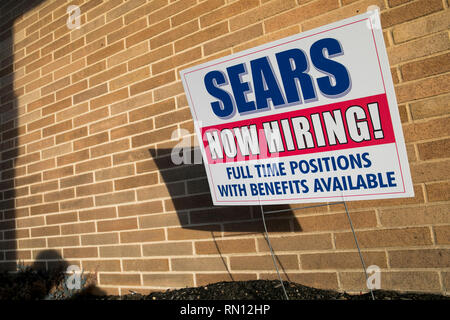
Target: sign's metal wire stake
{"x":266,"y":235}
{"x":357,"y":246}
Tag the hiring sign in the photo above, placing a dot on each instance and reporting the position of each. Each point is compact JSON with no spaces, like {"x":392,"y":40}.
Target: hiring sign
{"x":308,"y":118}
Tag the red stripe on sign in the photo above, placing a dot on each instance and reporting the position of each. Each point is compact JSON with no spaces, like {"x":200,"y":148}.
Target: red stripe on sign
{"x":344,"y":125}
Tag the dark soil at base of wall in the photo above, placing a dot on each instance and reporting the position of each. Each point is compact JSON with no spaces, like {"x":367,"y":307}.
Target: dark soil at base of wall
{"x":266,"y":290}
{"x":29,"y":284}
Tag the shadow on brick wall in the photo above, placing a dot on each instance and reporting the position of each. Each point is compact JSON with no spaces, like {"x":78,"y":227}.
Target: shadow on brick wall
{"x":14,"y":183}
{"x":38,"y":281}
{"x":10,"y":187}
{"x":191,"y":200}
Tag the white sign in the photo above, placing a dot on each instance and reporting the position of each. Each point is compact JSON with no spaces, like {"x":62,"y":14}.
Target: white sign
{"x":309,"y":118}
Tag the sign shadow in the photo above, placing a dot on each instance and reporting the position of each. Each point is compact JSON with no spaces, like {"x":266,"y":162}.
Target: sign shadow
{"x":190,"y":199}
{"x":188,"y":187}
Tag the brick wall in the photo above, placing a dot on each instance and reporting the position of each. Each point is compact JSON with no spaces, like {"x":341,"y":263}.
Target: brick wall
{"x":87,"y":122}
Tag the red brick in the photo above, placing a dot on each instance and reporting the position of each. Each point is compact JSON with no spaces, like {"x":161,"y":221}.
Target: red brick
{"x":438,"y":191}
{"x":196,"y":11}
{"x":227,"y":11}
{"x":99,"y":10}
{"x":233,"y":39}
{"x":146,"y":265}
{"x":69,"y":48}
{"x":140,"y":209}
{"x":166,"y":190}
{"x":189,"y":42}
{"x":57,"y":128}
{"x":71,"y":90}
{"x":115,"y":198}
{"x":152,"y":137}
{"x":59,"y":195}
{"x":294,"y":16}
{"x":90,"y":141}
{"x":142,"y":236}
{"x":417,"y":215}
{"x":410,"y":11}
{"x":136,"y":181}
{"x":225,"y":246}
{"x":384,"y":238}
{"x":120,"y":279}
{"x":85,"y":252}
{"x":108,"y":74}
{"x":45,"y":231}
{"x":61,"y":218}
{"x":31,"y":243}
{"x":101,"y":265}
{"x":91,"y":93}
{"x":109,"y":148}
{"x":105,"y":52}
{"x":148,"y":33}
{"x":152,"y":110}
{"x":423,"y":88}
{"x":43,"y":187}
{"x":91,"y":117}
{"x":71,"y":135}
{"x":430,"y":171}
{"x":76,"y":180}
{"x":442,"y":234}
{"x":88,"y":71}
{"x":168,"y":280}
{"x":69,"y":241}
{"x":129,"y":28}
{"x":163,"y":220}
{"x":198,"y":264}
{"x":79,"y":203}
{"x":132,"y":129}
{"x":109,"y":98}
{"x":421,"y":27}
{"x":27,"y":201}
{"x":131,"y":103}
{"x":426,"y":67}
{"x":104,"y":29}
{"x":341,"y":260}
{"x":116,"y":251}
{"x":258,"y":14}
{"x":427,"y":258}
{"x":434,"y":150}
{"x":97,"y":188}
{"x":167,"y":249}
{"x":115,"y":172}
{"x":78,"y":228}
{"x":73,"y":157}
{"x":98,"y":214}
{"x":41,"y":165}
{"x":287,"y":262}
{"x":58,"y":172}
{"x":153,"y":82}
{"x":431,"y":107}
{"x":148,"y":58}
{"x":99,"y":239}
{"x":58,"y":106}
